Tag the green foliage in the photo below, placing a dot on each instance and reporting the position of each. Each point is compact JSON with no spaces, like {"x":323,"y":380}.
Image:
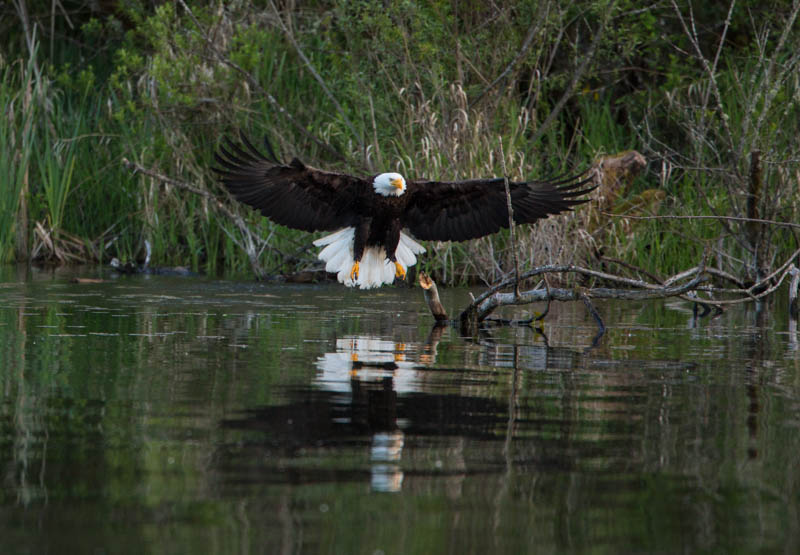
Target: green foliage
{"x":56,"y":163}
{"x":428,"y":88}
{"x":17,"y":87}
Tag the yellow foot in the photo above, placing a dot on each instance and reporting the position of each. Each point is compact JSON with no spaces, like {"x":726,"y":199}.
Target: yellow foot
{"x":354,"y":272}
{"x":399,"y":271}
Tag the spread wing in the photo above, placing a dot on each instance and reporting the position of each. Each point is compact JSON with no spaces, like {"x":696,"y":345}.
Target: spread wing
{"x":461,"y":210}
{"x":294,"y":195}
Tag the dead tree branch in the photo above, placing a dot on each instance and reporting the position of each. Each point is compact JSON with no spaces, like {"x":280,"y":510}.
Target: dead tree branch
{"x":719,"y":218}
{"x":560,"y":294}
{"x":432,"y":297}
{"x":254,"y":83}
{"x":677,"y":285}
{"x":576,"y":76}
{"x":485,"y":304}
{"x":526,"y":44}
{"x":290,"y":36}
{"x":768,"y":285}
{"x":510,"y":209}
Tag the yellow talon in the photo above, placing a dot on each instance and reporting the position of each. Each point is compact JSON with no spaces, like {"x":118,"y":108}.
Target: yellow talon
{"x":354,"y":272}
{"x":399,"y":271}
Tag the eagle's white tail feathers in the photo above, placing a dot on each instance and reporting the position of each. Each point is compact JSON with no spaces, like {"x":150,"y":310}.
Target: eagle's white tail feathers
{"x":346,"y":232}
{"x":375,"y":268}
{"x":407,"y":249}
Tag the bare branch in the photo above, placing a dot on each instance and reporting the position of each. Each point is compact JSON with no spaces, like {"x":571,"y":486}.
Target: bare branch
{"x":694,"y":39}
{"x":593,"y":311}
{"x":587,"y":58}
{"x":488,"y":305}
{"x":526,"y":44}
{"x":510,"y":220}
{"x":253,"y":82}
{"x":318,"y":77}
{"x":769,"y":85}
{"x":566,"y":268}
{"x":723,"y":218}
{"x":633,"y":268}
{"x":750,"y":297}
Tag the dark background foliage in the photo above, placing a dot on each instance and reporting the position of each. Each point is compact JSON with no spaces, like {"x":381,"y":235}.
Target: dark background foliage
{"x":427,"y":88}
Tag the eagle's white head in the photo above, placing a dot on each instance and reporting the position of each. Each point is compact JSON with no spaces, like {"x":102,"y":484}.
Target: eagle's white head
{"x":389,"y":184}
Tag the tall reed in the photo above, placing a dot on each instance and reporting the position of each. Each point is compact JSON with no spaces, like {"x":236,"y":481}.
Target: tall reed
{"x":56,"y":163}
{"x":18,"y":89}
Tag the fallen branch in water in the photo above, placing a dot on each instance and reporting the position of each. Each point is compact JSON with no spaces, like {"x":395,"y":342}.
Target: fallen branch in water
{"x":693,"y":290}
{"x":481,"y":307}
{"x":471,"y":317}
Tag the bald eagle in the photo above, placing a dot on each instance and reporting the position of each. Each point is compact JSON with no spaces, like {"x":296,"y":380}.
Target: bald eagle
{"x":377,"y":221}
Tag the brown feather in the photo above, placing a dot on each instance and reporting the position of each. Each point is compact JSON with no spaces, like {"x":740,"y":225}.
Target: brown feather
{"x":294,"y":195}
{"x":461,"y":210}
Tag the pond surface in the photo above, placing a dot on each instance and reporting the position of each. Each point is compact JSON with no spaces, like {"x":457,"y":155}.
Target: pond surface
{"x":185,"y":415}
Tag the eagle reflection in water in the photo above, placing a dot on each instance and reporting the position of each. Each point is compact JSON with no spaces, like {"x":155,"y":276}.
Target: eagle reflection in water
{"x":367,"y":374}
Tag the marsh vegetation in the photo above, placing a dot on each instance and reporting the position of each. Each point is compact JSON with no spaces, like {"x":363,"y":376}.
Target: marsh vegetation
{"x":707,"y":94}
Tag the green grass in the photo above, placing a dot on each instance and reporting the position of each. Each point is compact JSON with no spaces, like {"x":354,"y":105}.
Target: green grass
{"x":56,"y":163}
{"x":16,"y":147}
{"x":160,"y":98}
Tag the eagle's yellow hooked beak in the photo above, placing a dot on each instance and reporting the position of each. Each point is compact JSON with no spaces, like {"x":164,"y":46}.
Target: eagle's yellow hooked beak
{"x":397,"y":183}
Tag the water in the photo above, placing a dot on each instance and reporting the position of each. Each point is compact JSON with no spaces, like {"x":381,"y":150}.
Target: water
{"x":178,"y":415}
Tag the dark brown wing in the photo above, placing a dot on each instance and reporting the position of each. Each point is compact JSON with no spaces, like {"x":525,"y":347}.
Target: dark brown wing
{"x":461,"y":210}
{"x":294,"y":195}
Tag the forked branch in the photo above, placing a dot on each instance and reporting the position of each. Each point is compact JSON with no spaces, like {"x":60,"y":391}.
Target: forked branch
{"x":484,"y":305}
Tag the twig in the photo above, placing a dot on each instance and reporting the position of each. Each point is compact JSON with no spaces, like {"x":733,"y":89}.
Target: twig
{"x":681,"y":275}
{"x":692,"y":36}
{"x":728,"y":218}
{"x":587,"y":58}
{"x":510,"y":220}
{"x":750,"y":298}
{"x":769,"y":88}
{"x":632,"y":267}
{"x":780,"y":269}
{"x":526,"y":44}
{"x":319,"y":78}
{"x":596,"y":315}
{"x":253,"y":82}
{"x":546,"y":310}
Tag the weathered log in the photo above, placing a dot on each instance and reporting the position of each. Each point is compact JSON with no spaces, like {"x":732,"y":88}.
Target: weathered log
{"x":475,"y":313}
{"x":431,"y":293}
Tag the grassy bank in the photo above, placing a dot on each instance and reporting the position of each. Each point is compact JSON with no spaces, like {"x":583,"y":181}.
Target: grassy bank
{"x":429,"y":89}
